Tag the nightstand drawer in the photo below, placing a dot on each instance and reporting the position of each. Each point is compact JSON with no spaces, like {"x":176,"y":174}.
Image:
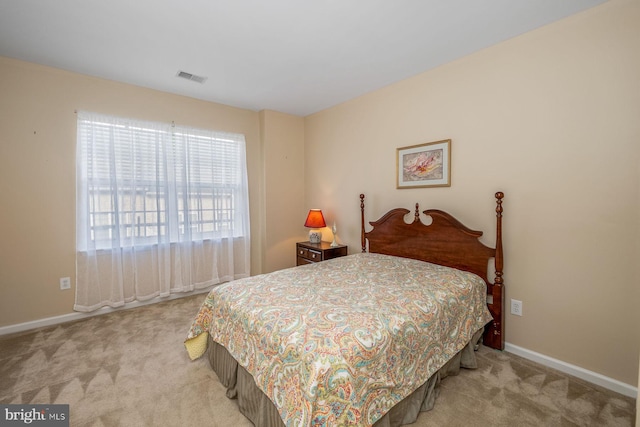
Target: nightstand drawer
{"x":307,"y":253}
{"x":310,"y":254}
{"x":303,"y":261}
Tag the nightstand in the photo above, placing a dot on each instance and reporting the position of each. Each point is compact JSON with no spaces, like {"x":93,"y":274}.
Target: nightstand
{"x":308,"y":253}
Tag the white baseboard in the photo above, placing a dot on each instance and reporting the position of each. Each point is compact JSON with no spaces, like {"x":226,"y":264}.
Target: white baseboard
{"x":576,"y":371}
{"x":50,"y":321}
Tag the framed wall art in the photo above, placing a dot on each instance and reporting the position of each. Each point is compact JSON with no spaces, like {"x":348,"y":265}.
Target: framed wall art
{"x":424,"y":165}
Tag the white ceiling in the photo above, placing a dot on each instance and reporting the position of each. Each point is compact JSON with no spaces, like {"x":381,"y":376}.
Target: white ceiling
{"x":292,"y":56}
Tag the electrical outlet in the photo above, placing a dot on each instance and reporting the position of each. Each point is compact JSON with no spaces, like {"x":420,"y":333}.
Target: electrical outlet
{"x":65,"y":283}
{"x":516,"y":307}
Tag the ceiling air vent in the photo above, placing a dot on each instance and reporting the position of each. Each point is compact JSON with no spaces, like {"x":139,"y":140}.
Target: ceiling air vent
{"x":192,"y":77}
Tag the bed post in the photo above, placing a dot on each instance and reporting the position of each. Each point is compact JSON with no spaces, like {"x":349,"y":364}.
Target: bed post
{"x":362,"y":239}
{"x":495,"y":335}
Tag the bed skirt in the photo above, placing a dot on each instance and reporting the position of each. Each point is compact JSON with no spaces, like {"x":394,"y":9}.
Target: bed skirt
{"x":258,"y":408}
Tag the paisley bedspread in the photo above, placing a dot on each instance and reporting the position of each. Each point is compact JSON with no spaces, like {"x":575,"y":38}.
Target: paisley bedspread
{"x":342,"y":341}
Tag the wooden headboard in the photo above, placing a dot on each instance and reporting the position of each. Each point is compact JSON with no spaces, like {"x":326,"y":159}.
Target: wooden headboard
{"x":446,"y":241}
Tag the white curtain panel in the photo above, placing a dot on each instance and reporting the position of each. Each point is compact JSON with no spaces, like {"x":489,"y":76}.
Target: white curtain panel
{"x":160,"y":209}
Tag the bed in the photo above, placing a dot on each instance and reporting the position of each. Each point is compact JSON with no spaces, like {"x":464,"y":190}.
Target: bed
{"x":358,"y":340}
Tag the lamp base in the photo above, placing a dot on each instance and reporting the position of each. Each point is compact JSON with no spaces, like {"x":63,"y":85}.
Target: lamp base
{"x":315,"y":236}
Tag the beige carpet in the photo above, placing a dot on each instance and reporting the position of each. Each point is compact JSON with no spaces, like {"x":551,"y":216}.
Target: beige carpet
{"x":129,"y":368}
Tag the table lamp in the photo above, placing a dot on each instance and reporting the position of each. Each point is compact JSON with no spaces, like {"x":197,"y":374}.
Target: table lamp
{"x":314,"y":221}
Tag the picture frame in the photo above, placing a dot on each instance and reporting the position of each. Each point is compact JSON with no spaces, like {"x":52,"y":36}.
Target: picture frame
{"x":424,"y":165}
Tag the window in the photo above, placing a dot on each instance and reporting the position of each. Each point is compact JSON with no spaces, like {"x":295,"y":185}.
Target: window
{"x":146,"y":183}
{"x":160,"y":209}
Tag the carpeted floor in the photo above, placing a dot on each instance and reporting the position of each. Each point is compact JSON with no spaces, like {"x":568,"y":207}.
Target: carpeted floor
{"x":129,"y":368}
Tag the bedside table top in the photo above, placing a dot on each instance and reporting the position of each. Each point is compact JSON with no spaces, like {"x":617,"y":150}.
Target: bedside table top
{"x":320,"y":246}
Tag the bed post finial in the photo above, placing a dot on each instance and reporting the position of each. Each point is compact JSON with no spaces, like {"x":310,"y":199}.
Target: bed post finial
{"x":362,"y":239}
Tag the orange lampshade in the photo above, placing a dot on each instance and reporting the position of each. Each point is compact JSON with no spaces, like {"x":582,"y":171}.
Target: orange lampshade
{"x":315,"y":219}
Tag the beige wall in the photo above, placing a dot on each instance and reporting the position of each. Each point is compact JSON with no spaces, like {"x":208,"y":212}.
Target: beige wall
{"x":283,"y":151}
{"x":552,"y":118}
{"x":37,"y":174}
